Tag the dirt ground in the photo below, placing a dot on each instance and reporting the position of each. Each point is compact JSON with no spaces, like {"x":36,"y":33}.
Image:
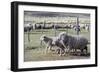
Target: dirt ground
{"x":31,"y":55}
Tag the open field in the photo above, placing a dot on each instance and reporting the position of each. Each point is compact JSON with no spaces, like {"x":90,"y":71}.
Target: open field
{"x":34,"y":49}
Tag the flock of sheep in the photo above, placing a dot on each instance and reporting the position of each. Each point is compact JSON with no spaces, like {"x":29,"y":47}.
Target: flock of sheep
{"x":29,"y":27}
{"x":65,"y":44}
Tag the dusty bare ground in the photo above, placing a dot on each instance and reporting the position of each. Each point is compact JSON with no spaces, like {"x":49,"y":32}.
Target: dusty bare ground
{"x":38,"y":55}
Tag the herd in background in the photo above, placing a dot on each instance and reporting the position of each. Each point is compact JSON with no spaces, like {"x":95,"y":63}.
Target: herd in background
{"x":29,"y":27}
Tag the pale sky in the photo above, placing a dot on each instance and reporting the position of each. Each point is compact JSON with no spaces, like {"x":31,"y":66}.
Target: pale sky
{"x":55,"y":14}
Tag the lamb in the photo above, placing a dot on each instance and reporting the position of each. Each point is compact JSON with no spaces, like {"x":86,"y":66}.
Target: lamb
{"x":72,"y":42}
{"x":47,"y":41}
{"x":51,"y":43}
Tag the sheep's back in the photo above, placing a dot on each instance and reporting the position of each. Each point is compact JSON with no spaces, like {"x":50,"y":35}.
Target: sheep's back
{"x":77,"y":42}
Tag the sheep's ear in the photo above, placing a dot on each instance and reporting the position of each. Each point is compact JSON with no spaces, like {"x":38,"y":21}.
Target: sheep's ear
{"x":44,"y":36}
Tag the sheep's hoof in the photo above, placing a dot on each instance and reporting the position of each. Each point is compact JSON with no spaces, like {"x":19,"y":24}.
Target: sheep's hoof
{"x":64,"y":54}
{"x":79,"y":54}
{"x":60,"y":54}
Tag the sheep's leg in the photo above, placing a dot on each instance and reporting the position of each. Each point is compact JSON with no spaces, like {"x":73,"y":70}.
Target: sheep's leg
{"x":72,"y":51}
{"x":68,"y":50}
{"x":64,"y":45}
{"x":82,"y":51}
{"x":63,"y":52}
{"x":75,"y":51}
{"x":50,"y":48}
{"x":59,"y":52}
{"x":46,"y":49}
{"x":86,"y":50}
{"x":65,"y":48}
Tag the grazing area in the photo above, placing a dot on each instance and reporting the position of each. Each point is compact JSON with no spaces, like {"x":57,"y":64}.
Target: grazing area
{"x":50,"y":36}
{"x":34,"y":48}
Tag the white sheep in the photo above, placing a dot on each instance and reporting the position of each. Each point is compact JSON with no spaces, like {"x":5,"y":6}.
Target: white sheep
{"x":51,"y":43}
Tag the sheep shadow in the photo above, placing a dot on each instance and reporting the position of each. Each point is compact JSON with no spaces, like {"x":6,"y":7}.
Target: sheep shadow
{"x":82,"y":54}
{"x":30,"y":48}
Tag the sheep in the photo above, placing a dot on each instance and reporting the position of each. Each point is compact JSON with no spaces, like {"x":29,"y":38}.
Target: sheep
{"x":77,"y":28}
{"x":47,"y":41}
{"x":28,"y":27}
{"x":72,"y":42}
{"x":52,"y":42}
{"x":60,"y":50}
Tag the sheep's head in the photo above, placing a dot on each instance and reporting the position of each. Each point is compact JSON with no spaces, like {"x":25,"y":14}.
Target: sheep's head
{"x":42,"y":37}
{"x":61,"y":34}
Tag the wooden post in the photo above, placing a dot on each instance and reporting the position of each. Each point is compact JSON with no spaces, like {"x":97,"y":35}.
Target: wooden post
{"x":78,"y":26}
{"x":28,"y":36}
{"x":55,"y":29}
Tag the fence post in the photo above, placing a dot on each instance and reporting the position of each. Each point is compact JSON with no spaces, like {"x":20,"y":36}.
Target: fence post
{"x":78,"y":28}
{"x":55,"y":29}
{"x":28,"y":36}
